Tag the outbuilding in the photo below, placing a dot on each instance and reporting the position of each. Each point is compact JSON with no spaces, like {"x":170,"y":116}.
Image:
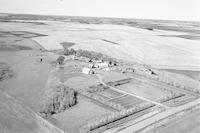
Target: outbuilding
{"x":102,"y":65}
{"x":91,"y":65}
{"x":86,"y":70}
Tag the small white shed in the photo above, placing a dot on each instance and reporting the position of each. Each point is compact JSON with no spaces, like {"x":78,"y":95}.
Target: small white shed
{"x":86,"y":70}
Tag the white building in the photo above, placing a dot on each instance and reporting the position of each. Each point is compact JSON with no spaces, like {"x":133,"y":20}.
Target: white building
{"x":86,"y":70}
{"x":106,"y":69}
{"x":98,"y":61}
{"x":102,"y":65}
{"x":91,"y":65}
{"x":149,"y":71}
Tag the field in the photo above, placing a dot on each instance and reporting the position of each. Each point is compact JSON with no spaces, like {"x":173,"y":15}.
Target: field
{"x":192,"y":74}
{"x":110,"y":94}
{"x":140,"y":89}
{"x":134,"y":40}
{"x":16,"y":117}
{"x":29,"y":75}
{"x":72,"y":119}
{"x":127,"y":101}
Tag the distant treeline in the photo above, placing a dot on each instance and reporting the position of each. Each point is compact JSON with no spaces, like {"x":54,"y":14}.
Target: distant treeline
{"x":88,"y":54}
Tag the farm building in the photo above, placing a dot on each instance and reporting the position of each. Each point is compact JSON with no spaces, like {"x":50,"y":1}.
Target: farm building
{"x":91,"y":65}
{"x":86,"y":70}
{"x":149,"y":71}
{"x":106,"y":69}
{"x":99,"y":61}
{"x":102,"y":65}
{"x":130,"y":69}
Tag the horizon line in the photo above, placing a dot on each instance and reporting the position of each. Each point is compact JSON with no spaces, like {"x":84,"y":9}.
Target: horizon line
{"x":60,"y":15}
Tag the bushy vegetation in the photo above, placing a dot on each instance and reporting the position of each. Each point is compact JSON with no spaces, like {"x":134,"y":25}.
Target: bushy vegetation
{"x":57,"y":99}
{"x":5,"y":72}
{"x":119,"y":82}
{"x":168,"y":94}
{"x":169,"y":82}
{"x":88,"y":54}
{"x":60,"y":60}
{"x":97,"y":88}
{"x":177,"y":85}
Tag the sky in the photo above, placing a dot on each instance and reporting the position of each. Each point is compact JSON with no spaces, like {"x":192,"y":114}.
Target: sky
{"x":146,"y":9}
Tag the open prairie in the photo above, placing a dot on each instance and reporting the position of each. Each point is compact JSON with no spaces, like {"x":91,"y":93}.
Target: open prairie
{"x":132,"y":42}
{"x":17,"y":118}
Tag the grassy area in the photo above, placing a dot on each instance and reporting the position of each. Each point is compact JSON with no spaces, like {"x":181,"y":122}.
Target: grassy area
{"x":67,"y":45}
{"x":140,"y":89}
{"x":73,"y":118}
{"x":128,"y":101}
{"x":110,"y":93}
{"x":192,"y":74}
{"x":191,"y":37}
{"x":17,"y":118}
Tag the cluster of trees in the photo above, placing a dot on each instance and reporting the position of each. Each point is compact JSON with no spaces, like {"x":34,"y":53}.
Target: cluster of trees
{"x":5,"y":72}
{"x":69,"y":52}
{"x":145,"y":73}
{"x":168,"y":93}
{"x":103,"y":100}
{"x":169,"y":97}
{"x":60,"y":60}
{"x":97,"y":88}
{"x":119,"y":82}
{"x":57,"y":99}
{"x":177,"y":85}
{"x":170,"y":83}
{"x":102,"y":121}
{"x":88,"y":54}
